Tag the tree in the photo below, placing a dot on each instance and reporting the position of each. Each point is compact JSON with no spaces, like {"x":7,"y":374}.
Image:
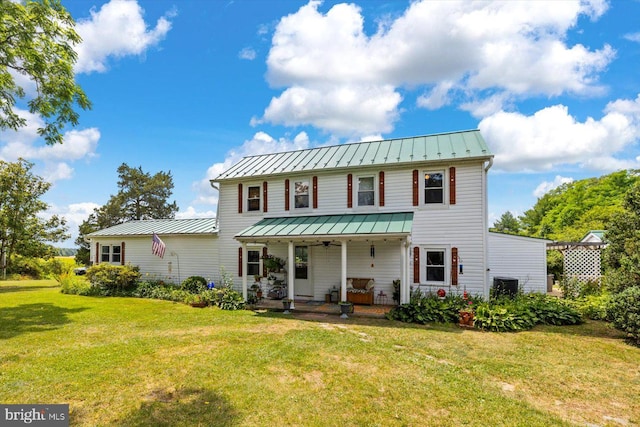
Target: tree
{"x":622,"y":256}
{"x":22,"y":230}
{"x":140,"y":196}
{"x":507,"y":224}
{"x":36,"y":41}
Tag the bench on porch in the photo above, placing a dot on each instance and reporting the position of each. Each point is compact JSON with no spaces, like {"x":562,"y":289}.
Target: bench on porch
{"x":360,"y":290}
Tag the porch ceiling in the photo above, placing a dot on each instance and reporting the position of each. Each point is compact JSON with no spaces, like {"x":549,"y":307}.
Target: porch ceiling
{"x":330,"y":226}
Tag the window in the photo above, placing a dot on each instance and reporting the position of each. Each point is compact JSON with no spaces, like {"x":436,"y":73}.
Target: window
{"x":302,"y":259}
{"x":366,"y":191}
{"x":110,"y":253}
{"x":435,"y":265}
{"x":253,"y":198}
{"x":301,"y":194}
{"x":433,"y":187}
{"x":253,"y":263}
{"x":106,"y":254}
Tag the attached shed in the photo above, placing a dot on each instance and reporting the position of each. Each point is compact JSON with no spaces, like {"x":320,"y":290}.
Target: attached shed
{"x":191,"y":247}
{"x":519,"y":257}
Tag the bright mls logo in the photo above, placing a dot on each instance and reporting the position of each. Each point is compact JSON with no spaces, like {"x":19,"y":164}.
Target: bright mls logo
{"x":36,"y":415}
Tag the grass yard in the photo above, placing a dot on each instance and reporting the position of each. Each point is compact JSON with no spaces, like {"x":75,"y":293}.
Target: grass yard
{"x":127,"y":362}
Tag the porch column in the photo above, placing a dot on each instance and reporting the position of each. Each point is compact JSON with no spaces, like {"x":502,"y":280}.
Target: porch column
{"x":244,"y":271}
{"x":403,"y":269}
{"x":343,"y":271}
{"x":405,"y":288}
{"x":291,"y":260}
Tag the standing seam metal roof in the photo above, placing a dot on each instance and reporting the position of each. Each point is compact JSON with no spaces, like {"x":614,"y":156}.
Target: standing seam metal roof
{"x":445,"y":146}
{"x":160,"y":227}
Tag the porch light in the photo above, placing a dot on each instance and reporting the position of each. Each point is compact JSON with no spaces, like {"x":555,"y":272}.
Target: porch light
{"x":372,"y":251}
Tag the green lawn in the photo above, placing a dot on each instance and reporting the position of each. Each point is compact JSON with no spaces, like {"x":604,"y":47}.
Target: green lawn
{"x":126,"y":361}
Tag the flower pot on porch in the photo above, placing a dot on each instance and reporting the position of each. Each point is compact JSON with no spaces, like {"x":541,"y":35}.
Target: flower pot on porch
{"x":466,"y":319}
{"x":345,"y":308}
{"x":286,"y":304}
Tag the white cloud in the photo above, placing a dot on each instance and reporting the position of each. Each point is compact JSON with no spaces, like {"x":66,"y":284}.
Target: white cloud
{"x":118,"y":29}
{"x":547,"y":186}
{"x":75,"y":214}
{"x":466,"y":49}
{"x":191,"y":212}
{"x":247,"y":53}
{"x":634,"y":37}
{"x":261,"y":143}
{"x":27,"y":144}
{"x":552,"y":137}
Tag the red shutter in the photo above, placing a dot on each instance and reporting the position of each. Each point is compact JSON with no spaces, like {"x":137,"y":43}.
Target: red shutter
{"x":97,"y":253}
{"x":239,"y":198}
{"x":122,"y":253}
{"x":452,"y":185}
{"x":286,"y":194}
{"x":240,"y":262}
{"x":264,"y":267}
{"x":349,"y":191}
{"x":264,"y":196}
{"x":381,"y":187}
{"x":315,"y":192}
{"x":416,"y":264}
{"x":416,"y":191}
{"x":454,"y":266}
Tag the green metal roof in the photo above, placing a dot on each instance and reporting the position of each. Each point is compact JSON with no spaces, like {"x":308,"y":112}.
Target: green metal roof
{"x":330,"y":225}
{"x":445,"y":146}
{"x":160,"y":227}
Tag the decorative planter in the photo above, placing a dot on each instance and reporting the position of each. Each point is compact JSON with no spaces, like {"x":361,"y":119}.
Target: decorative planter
{"x":199,"y":304}
{"x":466,"y":319}
{"x":287,"y":306}
{"x":345,"y":309}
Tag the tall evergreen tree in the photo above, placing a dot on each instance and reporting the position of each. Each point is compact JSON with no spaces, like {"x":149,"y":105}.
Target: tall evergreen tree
{"x":140,"y":196}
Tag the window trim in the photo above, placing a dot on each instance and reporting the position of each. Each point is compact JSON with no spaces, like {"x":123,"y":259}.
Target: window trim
{"x":110,"y":254}
{"x":374,"y":190}
{"x":446,"y":251}
{"x":292,"y":193}
{"x":259,"y":198}
{"x":423,"y":187}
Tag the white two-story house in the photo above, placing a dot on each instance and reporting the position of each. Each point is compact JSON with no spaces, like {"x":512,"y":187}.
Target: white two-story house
{"x":408,"y":209}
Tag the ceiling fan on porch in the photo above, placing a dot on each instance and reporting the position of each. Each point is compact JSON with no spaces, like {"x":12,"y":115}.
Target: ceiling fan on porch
{"x":326,"y":243}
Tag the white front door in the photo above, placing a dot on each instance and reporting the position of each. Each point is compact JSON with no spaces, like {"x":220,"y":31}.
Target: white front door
{"x":303,"y":284}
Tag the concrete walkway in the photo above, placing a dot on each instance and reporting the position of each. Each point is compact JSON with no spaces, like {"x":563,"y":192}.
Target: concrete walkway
{"x":301,"y":306}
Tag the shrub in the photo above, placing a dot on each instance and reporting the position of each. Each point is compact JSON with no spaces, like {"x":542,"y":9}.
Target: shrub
{"x":573,"y":287}
{"x":226,"y":298}
{"x":624,"y":312}
{"x":425,"y":308}
{"x":113,"y":279}
{"x":592,"y":307}
{"x":24,"y":267}
{"x":194,"y":284}
{"x":72,"y":284}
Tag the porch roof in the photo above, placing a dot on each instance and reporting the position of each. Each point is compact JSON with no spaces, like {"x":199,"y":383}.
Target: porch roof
{"x":330,"y":226}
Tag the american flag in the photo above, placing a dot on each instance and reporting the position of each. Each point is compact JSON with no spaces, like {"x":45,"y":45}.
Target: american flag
{"x":158,"y":246}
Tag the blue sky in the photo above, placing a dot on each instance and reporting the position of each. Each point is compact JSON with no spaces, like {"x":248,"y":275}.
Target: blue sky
{"x":192,"y":86}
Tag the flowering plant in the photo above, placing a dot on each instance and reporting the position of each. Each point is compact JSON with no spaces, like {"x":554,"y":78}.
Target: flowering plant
{"x":468,"y":308}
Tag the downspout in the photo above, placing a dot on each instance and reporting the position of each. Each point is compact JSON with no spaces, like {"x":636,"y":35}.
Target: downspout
{"x":215,"y":187}
{"x":485,"y":229}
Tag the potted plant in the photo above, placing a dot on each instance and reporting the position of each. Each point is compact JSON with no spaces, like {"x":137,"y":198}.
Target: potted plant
{"x":256,"y":290}
{"x":196,"y":300}
{"x":466,"y":315}
{"x":286,"y":304}
{"x":345,"y":308}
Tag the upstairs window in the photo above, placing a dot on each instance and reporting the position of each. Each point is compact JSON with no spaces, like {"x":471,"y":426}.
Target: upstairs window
{"x":301,"y":194}
{"x":433,"y":187}
{"x":253,"y":198}
{"x":366,"y":191}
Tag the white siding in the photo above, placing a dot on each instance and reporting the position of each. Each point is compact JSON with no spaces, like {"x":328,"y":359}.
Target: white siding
{"x":184,"y":256}
{"x":522,"y":258}
{"x":461,"y":225}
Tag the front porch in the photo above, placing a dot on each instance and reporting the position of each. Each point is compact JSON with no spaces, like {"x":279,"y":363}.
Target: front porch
{"x":324,"y":308}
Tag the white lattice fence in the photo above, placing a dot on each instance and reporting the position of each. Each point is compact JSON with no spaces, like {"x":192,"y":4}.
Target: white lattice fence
{"x":582,"y":263}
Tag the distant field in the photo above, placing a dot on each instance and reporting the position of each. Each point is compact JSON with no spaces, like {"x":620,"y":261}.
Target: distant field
{"x":127,"y":362}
